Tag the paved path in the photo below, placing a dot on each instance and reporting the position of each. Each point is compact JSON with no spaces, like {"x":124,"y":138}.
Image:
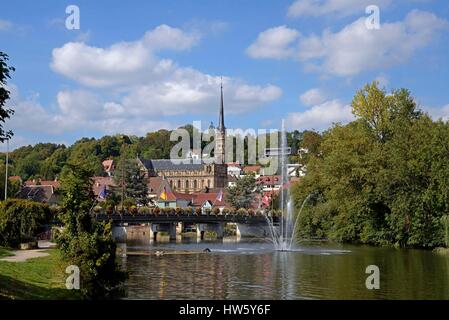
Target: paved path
{"x":24,"y":255}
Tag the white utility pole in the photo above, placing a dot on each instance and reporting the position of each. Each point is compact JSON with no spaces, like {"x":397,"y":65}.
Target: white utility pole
{"x":6,"y":170}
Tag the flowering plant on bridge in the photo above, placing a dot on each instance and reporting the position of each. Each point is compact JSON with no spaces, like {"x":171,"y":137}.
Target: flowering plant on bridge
{"x":156,"y":211}
{"x":198,"y":211}
{"x":145,"y":211}
{"x":241,"y":212}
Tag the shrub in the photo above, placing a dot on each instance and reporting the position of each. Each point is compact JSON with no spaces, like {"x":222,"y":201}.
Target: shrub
{"x":207,"y":211}
{"x":157,"y":211}
{"x":98,"y":209}
{"x":21,"y":220}
{"x":241,"y":212}
{"x":226,"y":211}
{"x":216,"y":211}
{"x":132,"y":210}
{"x":198,"y":211}
{"x":179,"y":211}
{"x":144,"y":210}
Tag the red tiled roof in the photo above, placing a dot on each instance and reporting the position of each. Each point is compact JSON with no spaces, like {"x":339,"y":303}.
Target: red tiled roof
{"x":200,"y":198}
{"x":100,"y":182}
{"x":54,"y":183}
{"x":108,"y":165}
{"x":255,"y":169}
{"x":233,"y":164}
{"x":269,"y":180}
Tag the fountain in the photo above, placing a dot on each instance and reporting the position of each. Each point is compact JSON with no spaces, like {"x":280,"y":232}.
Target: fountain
{"x":284,"y":235}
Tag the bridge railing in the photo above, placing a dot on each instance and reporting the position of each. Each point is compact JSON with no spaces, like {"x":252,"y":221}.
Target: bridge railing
{"x":191,"y":211}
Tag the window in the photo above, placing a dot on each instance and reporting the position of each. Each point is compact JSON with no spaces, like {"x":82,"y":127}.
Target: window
{"x":187,"y":184}
{"x":179,"y":184}
{"x":195,"y":184}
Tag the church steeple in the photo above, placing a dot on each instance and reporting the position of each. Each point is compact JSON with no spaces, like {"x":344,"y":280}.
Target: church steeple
{"x":221,"y":126}
{"x":220,"y":133}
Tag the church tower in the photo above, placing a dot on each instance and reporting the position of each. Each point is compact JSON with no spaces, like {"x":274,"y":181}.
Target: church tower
{"x":220,"y":134}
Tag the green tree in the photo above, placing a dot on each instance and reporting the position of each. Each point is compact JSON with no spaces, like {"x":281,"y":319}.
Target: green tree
{"x":20,"y":220}
{"x":381,"y":179}
{"x":84,"y":242}
{"x":136,"y":185}
{"x":5,"y":113}
{"x":243,"y":194}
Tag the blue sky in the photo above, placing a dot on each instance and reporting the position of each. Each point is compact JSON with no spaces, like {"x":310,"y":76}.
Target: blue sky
{"x":138,"y":66}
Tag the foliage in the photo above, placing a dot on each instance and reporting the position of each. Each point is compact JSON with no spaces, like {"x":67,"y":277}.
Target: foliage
{"x":382,"y":179}
{"x":5,"y":113}
{"x":21,"y":220}
{"x":84,"y":242}
{"x":243,"y":193}
{"x":135,"y":181}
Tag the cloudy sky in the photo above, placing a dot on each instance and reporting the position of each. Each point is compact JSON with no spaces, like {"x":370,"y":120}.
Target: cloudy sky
{"x":139,"y":66}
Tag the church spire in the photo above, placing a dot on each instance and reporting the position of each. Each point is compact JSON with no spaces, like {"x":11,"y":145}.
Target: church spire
{"x":221,"y":126}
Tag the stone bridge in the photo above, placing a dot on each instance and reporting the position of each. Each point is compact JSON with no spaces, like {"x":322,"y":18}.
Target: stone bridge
{"x":141,"y":226}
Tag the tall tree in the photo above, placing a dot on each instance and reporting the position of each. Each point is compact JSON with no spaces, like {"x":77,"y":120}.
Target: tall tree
{"x":5,"y":113}
{"x":243,"y":194}
{"x":136,"y":187}
{"x":84,"y":242}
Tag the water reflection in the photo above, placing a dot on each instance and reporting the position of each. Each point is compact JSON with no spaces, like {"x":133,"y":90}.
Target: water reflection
{"x":236,"y":270}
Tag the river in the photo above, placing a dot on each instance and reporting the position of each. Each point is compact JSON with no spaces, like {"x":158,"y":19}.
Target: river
{"x":252,"y":270}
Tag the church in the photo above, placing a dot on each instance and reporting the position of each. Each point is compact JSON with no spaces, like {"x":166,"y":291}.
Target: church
{"x":194,"y":177}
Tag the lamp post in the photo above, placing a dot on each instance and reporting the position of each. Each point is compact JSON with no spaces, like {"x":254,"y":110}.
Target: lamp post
{"x":6,"y":168}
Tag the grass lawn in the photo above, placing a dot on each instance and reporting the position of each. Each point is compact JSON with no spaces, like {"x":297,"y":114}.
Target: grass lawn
{"x":38,"y":278}
{"x":4,"y":252}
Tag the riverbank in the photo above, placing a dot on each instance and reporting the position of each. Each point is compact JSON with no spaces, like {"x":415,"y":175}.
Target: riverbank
{"x":36,"y":278}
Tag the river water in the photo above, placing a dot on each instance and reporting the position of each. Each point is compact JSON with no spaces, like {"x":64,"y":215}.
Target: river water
{"x":252,"y":270}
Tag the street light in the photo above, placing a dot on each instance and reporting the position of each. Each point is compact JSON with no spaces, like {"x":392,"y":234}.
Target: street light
{"x":6,"y":169}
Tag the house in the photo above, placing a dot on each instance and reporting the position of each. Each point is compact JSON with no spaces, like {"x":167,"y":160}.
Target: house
{"x":269,"y":183}
{"x":39,"y":193}
{"x":102,"y":186}
{"x":252,"y":169}
{"x":173,"y":199}
{"x":54,"y":183}
{"x":234,"y":169}
{"x":14,"y":179}
{"x":209,"y":201}
{"x":109,"y":167}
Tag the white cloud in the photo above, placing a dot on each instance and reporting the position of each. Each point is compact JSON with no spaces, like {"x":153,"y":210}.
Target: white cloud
{"x":148,"y":85}
{"x":123,"y":62}
{"x":317,"y":8}
{"x":320,"y":117}
{"x":76,"y":111}
{"x":355,"y":49}
{"x":126,"y":88}
{"x":312,"y":97}
{"x":274,"y":43}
